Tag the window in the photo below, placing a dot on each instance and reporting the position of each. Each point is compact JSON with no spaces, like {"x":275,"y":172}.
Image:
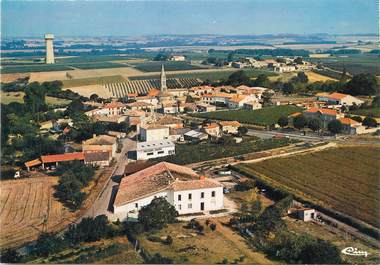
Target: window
{"x":179,"y":197}
{"x":179,"y":206}
{"x":189,"y":196}
{"x":150,"y":153}
{"x":202,"y":195}
{"x":213,"y":194}
{"x":160,"y":152}
{"x":136,"y":205}
{"x":189,"y":206}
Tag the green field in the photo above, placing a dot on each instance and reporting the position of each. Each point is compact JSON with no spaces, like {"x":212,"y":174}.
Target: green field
{"x":93,"y":81}
{"x":38,"y":67}
{"x":353,"y":63}
{"x":193,"y":153}
{"x":375,"y":112}
{"x":8,"y":97}
{"x":264,"y":116}
{"x":218,"y":74}
{"x":169,"y":66}
{"x":97,"y":65}
{"x":345,"y":179}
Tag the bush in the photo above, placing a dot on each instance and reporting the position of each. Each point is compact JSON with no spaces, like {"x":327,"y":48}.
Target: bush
{"x":47,"y":244}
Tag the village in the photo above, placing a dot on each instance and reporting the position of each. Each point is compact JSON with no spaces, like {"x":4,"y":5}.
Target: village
{"x":142,"y":146}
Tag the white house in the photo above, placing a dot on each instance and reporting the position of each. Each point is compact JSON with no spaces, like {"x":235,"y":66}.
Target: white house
{"x":154,"y":149}
{"x":179,"y":185}
{"x":153,"y":132}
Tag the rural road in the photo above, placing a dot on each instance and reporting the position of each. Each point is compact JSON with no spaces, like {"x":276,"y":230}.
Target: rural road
{"x":291,"y":135}
{"x":102,"y":203}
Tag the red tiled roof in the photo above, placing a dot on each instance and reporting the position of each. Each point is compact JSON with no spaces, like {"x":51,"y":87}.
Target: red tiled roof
{"x":62,"y":157}
{"x":348,"y":121}
{"x":337,"y":95}
{"x":154,"y":92}
{"x":322,"y":111}
{"x":33,"y":163}
{"x":196,"y":184}
{"x":114,"y":104}
{"x":230,"y":123}
{"x":210,"y":126}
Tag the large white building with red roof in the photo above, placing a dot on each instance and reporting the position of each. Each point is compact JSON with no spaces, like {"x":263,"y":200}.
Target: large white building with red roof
{"x":180,"y":186}
{"x":339,"y":99}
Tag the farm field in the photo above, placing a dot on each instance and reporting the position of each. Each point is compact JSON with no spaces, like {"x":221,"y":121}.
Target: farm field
{"x":93,"y":81}
{"x":353,"y":63}
{"x":211,"y":248}
{"x":169,"y":66}
{"x":316,"y":77}
{"x":345,"y":179}
{"x":8,"y":97}
{"x":191,"y":153}
{"x":24,"y":204}
{"x":264,"y":116}
{"x":205,"y":74}
{"x":34,"y":68}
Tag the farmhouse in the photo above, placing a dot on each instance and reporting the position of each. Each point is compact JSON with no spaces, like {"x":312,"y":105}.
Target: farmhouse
{"x":101,"y":159}
{"x":109,"y":109}
{"x":350,"y":126}
{"x":154,"y":149}
{"x":229,"y":126}
{"x":195,"y":135}
{"x":101,"y":143}
{"x":180,"y":186}
{"x":153,"y":132}
{"x":177,"y":58}
{"x":48,"y":160}
{"x":237,"y":101}
{"x":202,"y":107}
{"x":252,"y":105}
{"x":212,"y":129}
{"x":339,"y":99}
{"x":324,"y":115}
{"x":306,"y":214}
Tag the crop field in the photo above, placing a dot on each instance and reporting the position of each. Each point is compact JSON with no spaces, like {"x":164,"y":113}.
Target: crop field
{"x":34,"y":68}
{"x":24,"y":205}
{"x":191,"y":153}
{"x":93,"y":81}
{"x":169,"y":66}
{"x":209,"y":74}
{"x":354,"y":64}
{"x":97,"y":65}
{"x":318,"y":77}
{"x":345,"y":179}
{"x":8,"y":97}
{"x":264,"y":116}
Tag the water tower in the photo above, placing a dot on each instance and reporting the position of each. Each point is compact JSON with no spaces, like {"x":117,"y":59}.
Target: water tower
{"x":49,"y":48}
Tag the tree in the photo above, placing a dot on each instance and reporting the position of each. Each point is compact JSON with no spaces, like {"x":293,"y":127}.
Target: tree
{"x":238,"y":78}
{"x":262,"y":80}
{"x":298,"y":60}
{"x":299,"y":122}
{"x":47,"y":244}
{"x":288,"y":88}
{"x":94,"y":97}
{"x":376,"y":102}
{"x":34,"y":98}
{"x":369,"y":122}
{"x":362,"y":84}
{"x":283,"y":121}
{"x":242,"y":130}
{"x":314,"y":124}
{"x":320,"y":252}
{"x":157,"y":214}
{"x":302,"y":78}
{"x":335,"y":126}
{"x":266,"y":98}
{"x":357,"y":118}
{"x":9,"y":256}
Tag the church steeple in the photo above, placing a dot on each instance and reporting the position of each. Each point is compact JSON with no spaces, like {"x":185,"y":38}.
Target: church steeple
{"x":163,"y":80}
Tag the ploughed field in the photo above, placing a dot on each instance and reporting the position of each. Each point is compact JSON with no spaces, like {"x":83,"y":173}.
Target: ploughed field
{"x":345,"y":179}
{"x":27,"y":208}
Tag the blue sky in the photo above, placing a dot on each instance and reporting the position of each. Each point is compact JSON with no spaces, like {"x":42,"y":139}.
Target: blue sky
{"x":134,"y":18}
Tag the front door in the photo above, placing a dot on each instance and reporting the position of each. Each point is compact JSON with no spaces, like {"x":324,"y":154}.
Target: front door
{"x":202,"y":206}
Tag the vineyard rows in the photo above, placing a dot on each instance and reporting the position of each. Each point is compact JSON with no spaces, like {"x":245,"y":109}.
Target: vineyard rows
{"x":142,"y":87}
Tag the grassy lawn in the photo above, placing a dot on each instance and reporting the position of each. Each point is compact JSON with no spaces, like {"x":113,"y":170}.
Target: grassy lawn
{"x":210,"y":248}
{"x":192,"y":153}
{"x":8,"y":97}
{"x":264,"y":116}
{"x":345,"y":179}
{"x":93,"y":81}
{"x":365,"y":112}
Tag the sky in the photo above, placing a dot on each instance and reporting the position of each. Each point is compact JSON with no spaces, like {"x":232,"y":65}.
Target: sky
{"x":228,"y":17}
